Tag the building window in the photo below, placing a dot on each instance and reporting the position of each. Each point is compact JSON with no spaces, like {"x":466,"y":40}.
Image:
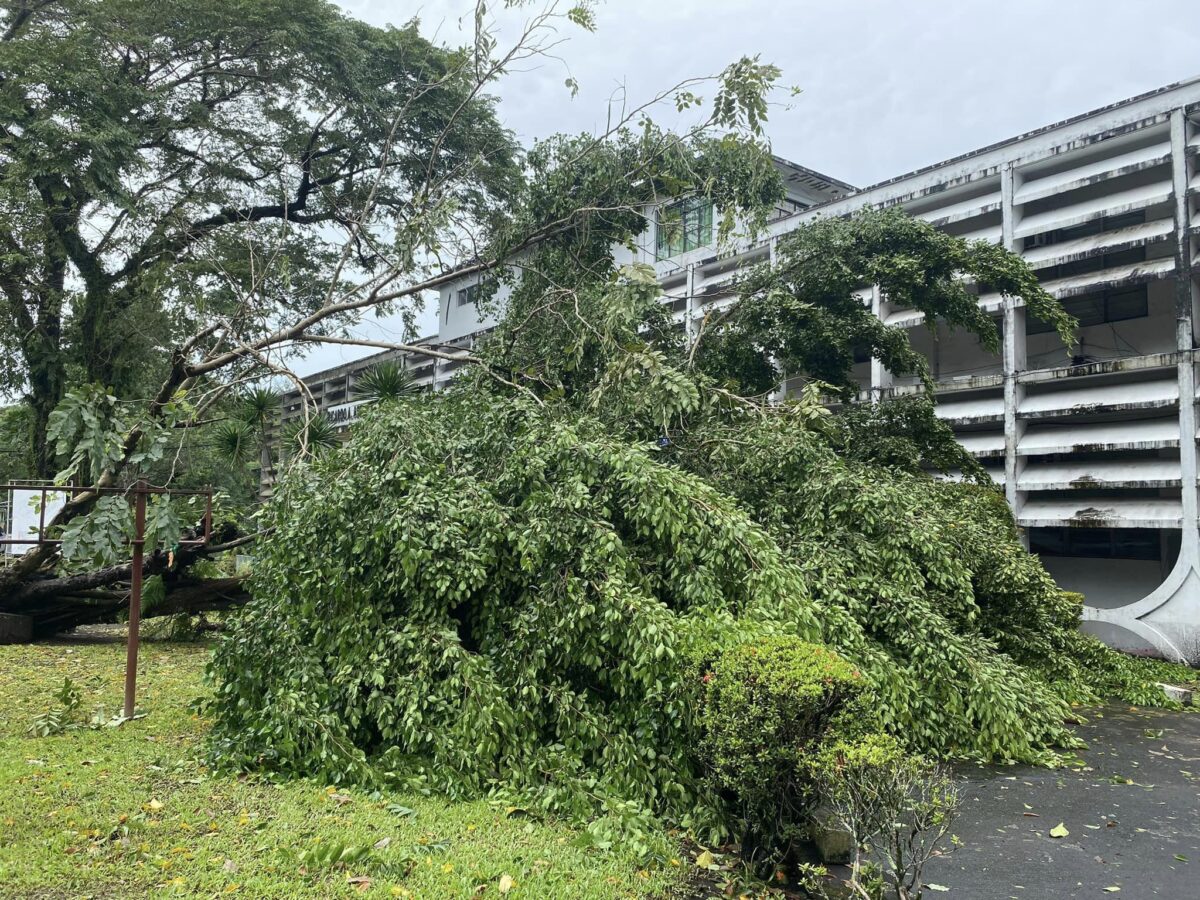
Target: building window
{"x":1096,"y":543}
{"x":682,"y":226}
{"x":1096,"y":309}
{"x":467,"y":296}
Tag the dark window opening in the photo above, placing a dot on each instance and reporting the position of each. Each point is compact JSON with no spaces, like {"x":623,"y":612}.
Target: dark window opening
{"x":1116,"y":305}
{"x":1087,"y":229}
{"x":467,"y":296}
{"x":1097,"y":543}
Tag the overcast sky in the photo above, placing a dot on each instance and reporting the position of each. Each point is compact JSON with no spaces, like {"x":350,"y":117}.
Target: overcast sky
{"x":888,"y":87}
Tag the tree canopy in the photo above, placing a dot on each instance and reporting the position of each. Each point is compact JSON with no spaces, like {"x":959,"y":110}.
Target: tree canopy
{"x":805,"y":315}
{"x":145,"y":144}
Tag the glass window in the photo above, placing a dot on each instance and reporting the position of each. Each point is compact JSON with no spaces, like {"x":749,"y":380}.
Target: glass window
{"x":683,"y":225}
{"x":468,"y":295}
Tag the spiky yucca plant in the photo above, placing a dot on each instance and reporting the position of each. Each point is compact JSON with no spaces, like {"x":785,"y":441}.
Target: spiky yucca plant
{"x":318,"y":435}
{"x":387,"y":380}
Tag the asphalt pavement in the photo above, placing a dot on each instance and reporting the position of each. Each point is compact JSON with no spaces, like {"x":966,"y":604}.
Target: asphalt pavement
{"x":1130,"y":808}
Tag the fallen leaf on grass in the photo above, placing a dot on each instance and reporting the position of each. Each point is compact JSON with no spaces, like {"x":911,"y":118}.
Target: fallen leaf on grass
{"x":382,"y":843}
{"x":706,"y":860}
{"x":506,"y":884}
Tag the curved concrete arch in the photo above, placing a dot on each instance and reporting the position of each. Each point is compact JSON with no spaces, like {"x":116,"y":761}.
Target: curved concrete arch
{"x":1165,"y":617}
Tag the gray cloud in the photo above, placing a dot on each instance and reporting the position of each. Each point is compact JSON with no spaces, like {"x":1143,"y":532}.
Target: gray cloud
{"x":888,"y":87}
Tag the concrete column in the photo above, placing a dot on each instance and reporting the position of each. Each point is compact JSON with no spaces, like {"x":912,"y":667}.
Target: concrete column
{"x":1169,"y":617}
{"x":1014,"y":352}
{"x":690,"y":305}
{"x":881,"y":379}
{"x":1185,"y":301}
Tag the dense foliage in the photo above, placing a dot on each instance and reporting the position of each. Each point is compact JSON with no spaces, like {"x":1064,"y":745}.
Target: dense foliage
{"x":484,"y":594}
{"x":515,"y":604}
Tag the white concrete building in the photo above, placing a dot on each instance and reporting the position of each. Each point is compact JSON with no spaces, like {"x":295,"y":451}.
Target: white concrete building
{"x":1097,"y":452}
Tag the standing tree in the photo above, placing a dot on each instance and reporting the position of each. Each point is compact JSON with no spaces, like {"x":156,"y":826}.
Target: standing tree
{"x":147,"y":147}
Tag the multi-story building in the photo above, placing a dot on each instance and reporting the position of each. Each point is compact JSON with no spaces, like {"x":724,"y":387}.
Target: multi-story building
{"x":1097,"y":450}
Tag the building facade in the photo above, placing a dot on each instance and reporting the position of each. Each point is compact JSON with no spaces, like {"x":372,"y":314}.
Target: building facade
{"x":1097,"y":450}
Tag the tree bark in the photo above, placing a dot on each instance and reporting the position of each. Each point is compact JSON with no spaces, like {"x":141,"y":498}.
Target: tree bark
{"x":185,"y":595}
{"x":55,"y":603}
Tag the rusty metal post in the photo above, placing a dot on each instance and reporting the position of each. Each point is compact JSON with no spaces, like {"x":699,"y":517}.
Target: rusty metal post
{"x":135,"y":594}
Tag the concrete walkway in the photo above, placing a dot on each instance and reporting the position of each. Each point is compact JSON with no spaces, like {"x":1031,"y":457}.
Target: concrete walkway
{"x":1132,"y":808}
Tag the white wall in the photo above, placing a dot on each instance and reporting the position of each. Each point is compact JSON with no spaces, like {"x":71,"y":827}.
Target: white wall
{"x":455,"y":321}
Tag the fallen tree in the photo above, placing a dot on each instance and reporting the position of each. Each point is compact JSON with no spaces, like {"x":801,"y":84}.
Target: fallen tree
{"x":59,"y":602}
{"x":532,"y":594}
{"x":186,"y":596}
{"x":550,"y":576}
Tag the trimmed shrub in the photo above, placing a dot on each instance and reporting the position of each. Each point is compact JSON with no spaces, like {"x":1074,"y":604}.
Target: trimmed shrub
{"x":765,"y":707}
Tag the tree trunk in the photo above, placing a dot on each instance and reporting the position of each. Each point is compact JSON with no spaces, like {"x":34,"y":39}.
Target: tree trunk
{"x":41,"y":347}
{"x":185,"y":595}
{"x":42,"y":402}
{"x":54,"y":603}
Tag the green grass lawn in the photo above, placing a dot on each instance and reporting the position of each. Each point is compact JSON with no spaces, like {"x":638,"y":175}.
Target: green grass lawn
{"x":130,"y":811}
